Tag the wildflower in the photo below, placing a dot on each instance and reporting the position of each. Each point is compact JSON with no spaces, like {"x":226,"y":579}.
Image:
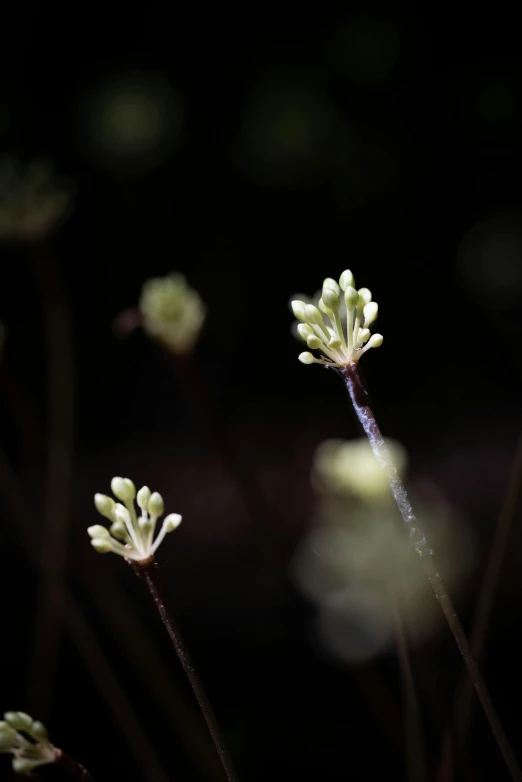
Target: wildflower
{"x":33,"y":201}
{"x":130,"y":536}
{"x":341,"y":344}
{"x":172,"y":312}
{"x":26,"y":739}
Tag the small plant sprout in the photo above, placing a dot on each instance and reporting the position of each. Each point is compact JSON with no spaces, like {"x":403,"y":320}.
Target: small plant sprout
{"x":343,"y":351}
{"x":27,"y":740}
{"x":172,"y":312}
{"x":345,"y":335}
{"x":131,"y":536}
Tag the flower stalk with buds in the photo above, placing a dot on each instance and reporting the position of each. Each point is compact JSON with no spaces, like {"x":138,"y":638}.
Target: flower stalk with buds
{"x":340,"y":343}
{"x":342,"y":351}
{"x":132,"y":537}
{"x":27,"y":740}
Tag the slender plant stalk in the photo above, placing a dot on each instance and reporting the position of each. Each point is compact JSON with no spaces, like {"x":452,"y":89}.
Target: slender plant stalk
{"x":484,"y":607}
{"x":60,"y":424}
{"x":360,"y":402}
{"x":81,"y":634}
{"x":415,"y":769}
{"x":72,"y":766}
{"x":148,"y":573}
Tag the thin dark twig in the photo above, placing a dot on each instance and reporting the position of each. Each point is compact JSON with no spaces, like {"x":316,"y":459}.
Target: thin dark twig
{"x":60,"y":424}
{"x":484,"y":607}
{"x":360,"y":401}
{"x":72,"y":766}
{"x":148,"y":573}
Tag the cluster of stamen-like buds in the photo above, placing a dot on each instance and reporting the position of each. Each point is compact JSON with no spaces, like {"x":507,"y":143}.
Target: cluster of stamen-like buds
{"x":340,"y":343}
{"x":130,"y":536}
{"x":26,"y":739}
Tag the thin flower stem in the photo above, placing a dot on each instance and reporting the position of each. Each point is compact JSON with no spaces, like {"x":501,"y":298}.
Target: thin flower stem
{"x":360,"y":401}
{"x":72,"y":766}
{"x":415,"y":769}
{"x":148,"y":573}
{"x":463,"y":704}
{"x":60,"y":425}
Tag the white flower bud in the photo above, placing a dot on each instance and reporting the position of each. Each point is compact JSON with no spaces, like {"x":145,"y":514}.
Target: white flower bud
{"x":144,"y":524}
{"x":101,"y":545}
{"x":97,"y":531}
{"x":119,"y":531}
{"x":324,"y":308}
{"x":305,"y":331}
{"x":121,"y":514}
{"x":363,"y":335}
{"x":18,"y":720}
{"x":332,"y":285}
{"x":172,"y":521}
{"x":313,"y":342}
{"x":334,"y":343}
{"x":346,"y":280}
{"x":313,"y":315}
{"x":105,"y":506}
{"x":370,"y":312}
{"x":24,"y":765}
{"x":375,"y":341}
{"x":143,"y":497}
{"x":331,"y":299}
{"x":39,"y":731}
{"x":306,"y":358}
{"x":155,"y":505}
{"x":123,"y":489}
{"x":365,"y":296}
{"x":298,"y":308}
{"x":351,"y":298}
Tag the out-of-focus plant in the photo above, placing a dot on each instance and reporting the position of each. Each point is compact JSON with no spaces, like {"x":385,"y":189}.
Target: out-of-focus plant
{"x":341,"y":345}
{"x":34,"y":201}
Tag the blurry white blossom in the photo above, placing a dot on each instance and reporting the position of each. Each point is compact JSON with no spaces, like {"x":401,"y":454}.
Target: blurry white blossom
{"x":172,"y":312}
{"x":34,"y":201}
{"x":349,"y":467}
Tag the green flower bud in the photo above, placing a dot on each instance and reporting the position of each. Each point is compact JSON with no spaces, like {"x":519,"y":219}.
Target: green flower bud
{"x":97,"y":531}
{"x":364,"y":335}
{"x":101,"y":545}
{"x":370,"y":312}
{"x":39,"y":731}
{"x":18,"y":720}
{"x":332,"y":285}
{"x":313,"y":315}
{"x":306,"y":358}
{"x":331,"y":299}
{"x":351,"y":298}
{"x":119,"y":531}
{"x":346,"y":280}
{"x":305,"y":330}
{"x":155,"y":505}
{"x":144,"y":524}
{"x":24,"y":765}
{"x":123,"y":489}
{"x":365,"y":296}
{"x":298,"y":308}
{"x":121,"y":514}
{"x":313,"y":342}
{"x":143,"y":497}
{"x":172,"y":521}
{"x":104,"y":505}
{"x":376,"y":341}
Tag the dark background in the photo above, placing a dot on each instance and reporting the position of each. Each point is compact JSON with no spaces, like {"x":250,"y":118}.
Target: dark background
{"x":294,"y":144}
